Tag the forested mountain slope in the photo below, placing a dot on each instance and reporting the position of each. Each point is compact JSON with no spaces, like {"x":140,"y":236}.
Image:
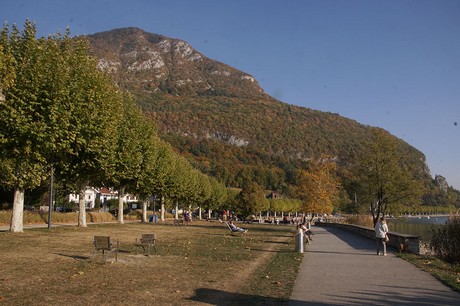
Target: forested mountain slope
{"x":222,"y":120}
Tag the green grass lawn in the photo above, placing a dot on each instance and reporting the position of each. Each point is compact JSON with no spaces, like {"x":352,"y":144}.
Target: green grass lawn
{"x":447,"y":273}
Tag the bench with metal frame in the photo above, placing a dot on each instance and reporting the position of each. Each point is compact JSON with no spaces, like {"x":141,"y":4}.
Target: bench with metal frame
{"x":104,"y":244}
{"x":147,"y":241}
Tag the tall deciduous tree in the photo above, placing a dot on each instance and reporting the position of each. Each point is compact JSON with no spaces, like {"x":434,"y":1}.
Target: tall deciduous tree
{"x":252,"y":199}
{"x":96,"y":108}
{"x":386,"y":177}
{"x":150,"y":148}
{"x":22,"y":128}
{"x":319,"y":187}
{"x":126,"y":165}
{"x":159,"y":180}
{"x":217,"y":198}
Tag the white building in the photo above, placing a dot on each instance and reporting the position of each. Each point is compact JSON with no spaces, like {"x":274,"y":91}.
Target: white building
{"x":90,"y":197}
{"x":104,"y":194}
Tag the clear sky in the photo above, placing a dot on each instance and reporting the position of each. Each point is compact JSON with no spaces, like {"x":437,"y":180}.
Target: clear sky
{"x":394,"y":64}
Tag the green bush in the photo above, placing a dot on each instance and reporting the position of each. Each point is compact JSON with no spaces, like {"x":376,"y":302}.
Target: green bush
{"x":445,"y":240}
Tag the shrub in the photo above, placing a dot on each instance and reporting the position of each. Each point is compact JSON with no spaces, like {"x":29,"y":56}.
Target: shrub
{"x":33,"y":217}
{"x":445,"y":241}
{"x":361,"y":220}
{"x":134,"y":215}
{"x":5,"y":216}
{"x":58,"y":217}
{"x":99,"y":216}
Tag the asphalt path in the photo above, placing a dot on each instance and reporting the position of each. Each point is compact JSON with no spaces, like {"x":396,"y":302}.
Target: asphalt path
{"x":341,"y":268}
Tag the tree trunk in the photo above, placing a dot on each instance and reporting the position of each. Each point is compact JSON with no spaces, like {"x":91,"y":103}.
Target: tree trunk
{"x":17,"y":217}
{"x":144,"y":211}
{"x":209,"y":214}
{"x":82,"y":208}
{"x":176,"y":202}
{"x":199,"y":213}
{"x":121,"y":194}
{"x":162,"y":200}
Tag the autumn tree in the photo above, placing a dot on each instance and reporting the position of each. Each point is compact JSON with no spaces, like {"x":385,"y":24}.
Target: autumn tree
{"x":318,"y":186}
{"x":386,"y":178}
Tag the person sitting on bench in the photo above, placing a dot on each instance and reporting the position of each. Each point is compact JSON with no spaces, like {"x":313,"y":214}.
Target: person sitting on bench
{"x":235,"y":228}
{"x":307,"y":232}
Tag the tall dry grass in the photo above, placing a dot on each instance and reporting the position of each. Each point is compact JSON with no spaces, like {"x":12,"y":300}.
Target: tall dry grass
{"x":361,"y":220}
{"x":33,"y":217}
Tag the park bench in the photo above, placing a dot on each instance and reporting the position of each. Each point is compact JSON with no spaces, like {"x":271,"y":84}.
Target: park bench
{"x":104,"y":244}
{"x":147,"y":241}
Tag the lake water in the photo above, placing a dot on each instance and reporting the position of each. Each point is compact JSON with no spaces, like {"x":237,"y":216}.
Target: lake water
{"x":416,"y":226}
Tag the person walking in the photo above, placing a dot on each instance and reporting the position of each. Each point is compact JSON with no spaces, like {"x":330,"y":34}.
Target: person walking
{"x":381,"y":230}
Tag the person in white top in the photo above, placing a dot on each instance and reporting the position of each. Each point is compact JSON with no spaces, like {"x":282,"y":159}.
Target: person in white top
{"x":381,"y":230}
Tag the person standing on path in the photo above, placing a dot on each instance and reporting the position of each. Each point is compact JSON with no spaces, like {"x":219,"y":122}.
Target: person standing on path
{"x":381,"y":230}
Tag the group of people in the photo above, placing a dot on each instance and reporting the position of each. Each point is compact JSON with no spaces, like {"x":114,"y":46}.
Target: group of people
{"x":381,"y":230}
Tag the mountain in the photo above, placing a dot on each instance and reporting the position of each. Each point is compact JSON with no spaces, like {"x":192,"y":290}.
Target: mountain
{"x":222,"y":120}
{"x":152,"y":63}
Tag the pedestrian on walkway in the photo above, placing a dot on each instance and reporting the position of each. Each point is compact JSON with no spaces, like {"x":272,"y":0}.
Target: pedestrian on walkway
{"x":381,"y":230}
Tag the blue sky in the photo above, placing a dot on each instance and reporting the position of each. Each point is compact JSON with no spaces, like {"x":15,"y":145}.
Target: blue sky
{"x":394,"y":64}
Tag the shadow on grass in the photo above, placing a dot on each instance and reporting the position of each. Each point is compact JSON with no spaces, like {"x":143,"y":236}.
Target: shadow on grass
{"x":277,"y":242}
{"x":74,"y":256}
{"x":80,"y":257}
{"x":220,"y":298}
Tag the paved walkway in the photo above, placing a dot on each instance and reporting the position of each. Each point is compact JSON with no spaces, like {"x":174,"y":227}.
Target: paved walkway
{"x":341,"y":268}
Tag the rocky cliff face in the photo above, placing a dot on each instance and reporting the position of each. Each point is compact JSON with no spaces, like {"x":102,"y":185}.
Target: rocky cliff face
{"x":441,"y":182}
{"x":157,"y":64}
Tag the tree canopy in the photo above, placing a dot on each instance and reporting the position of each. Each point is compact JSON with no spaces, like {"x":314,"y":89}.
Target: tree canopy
{"x":386,"y":179}
{"x":59,"y":110}
{"x":319,"y":187}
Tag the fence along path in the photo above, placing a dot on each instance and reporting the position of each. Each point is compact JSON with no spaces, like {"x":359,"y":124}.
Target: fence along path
{"x":341,"y":268}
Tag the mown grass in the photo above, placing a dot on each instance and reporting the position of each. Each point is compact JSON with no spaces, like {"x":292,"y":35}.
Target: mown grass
{"x":447,"y":273}
{"x":200,"y":263}
{"x":275,"y":280}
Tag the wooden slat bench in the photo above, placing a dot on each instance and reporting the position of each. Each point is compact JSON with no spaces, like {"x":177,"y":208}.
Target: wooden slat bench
{"x":104,"y":243}
{"x":147,"y":240}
